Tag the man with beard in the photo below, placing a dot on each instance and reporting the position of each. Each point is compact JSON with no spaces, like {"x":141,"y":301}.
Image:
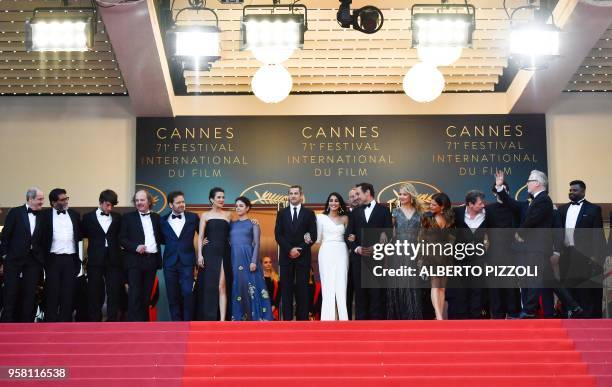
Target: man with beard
{"x":57,"y":243}
{"x":583,"y":254}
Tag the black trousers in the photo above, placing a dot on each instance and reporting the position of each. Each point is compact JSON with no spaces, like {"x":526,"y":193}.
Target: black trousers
{"x":350,"y":291}
{"x":20,"y":283}
{"x":531,"y":289}
{"x":61,"y":271}
{"x":294,"y":283}
{"x":369,"y":302}
{"x":179,"y":288}
{"x":504,"y":301}
{"x":140,"y":285}
{"x":100,"y":279}
{"x":584,"y":279}
{"x":465,"y":294}
{"x":464,"y":303}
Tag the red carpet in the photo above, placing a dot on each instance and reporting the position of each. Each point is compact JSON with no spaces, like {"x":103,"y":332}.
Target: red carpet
{"x":499,"y":353}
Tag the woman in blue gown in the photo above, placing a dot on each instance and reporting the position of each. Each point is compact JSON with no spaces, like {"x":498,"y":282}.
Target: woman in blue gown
{"x":250,"y":298}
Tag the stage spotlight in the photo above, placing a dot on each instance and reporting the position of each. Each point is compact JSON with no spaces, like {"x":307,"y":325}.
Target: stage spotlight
{"x":273,"y":37}
{"x":440,"y":36}
{"x":535,"y":43}
{"x":368,"y":19}
{"x":60,"y":29}
{"x":194,"y":47}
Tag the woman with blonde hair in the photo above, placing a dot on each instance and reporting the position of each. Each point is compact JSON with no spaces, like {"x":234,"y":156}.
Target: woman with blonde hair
{"x":403,"y":298}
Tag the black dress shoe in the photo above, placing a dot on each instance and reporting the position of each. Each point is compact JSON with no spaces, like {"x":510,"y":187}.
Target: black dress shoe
{"x":575,"y":312}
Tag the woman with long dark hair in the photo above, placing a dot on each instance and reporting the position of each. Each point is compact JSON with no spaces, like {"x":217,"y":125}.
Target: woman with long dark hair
{"x":435,"y":225}
{"x":333,"y":257}
{"x":214,"y":264}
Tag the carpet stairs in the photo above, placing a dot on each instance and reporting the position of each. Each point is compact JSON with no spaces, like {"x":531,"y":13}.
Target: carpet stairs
{"x":499,"y":353}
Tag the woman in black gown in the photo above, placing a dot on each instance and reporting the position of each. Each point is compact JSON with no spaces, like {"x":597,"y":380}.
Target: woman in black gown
{"x":214,"y":262}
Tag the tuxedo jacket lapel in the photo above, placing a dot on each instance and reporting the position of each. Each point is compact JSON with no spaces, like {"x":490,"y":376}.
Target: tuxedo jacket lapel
{"x":183,"y":229}
{"x":94,"y":215}
{"x":583,"y":209}
{"x":26,"y":221}
{"x":362,"y":215}
{"x":139,"y":226}
{"x":292,"y":224}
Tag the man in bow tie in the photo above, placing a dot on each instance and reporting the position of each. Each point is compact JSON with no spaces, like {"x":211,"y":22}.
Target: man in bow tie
{"x":179,"y":228}
{"x":104,"y":264}
{"x":58,"y":245}
{"x":19,"y":259}
{"x":141,"y":239}
{"x":582,"y":258}
{"x":373,"y":216}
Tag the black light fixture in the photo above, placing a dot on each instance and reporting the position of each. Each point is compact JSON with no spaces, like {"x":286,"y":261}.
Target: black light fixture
{"x":440,"y":32}
{"x":368,"y":19}
{"x":194,"y":47}
{"x":442,"y":25}
{"x":272,"y":32}
{"x":61,"y":29}
{"x":535,"y":43}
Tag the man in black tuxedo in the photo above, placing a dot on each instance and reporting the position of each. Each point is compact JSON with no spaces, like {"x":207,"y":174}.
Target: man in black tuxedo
{"x":369,"y":303}
{"x":104,"y":265}
{"x":536,"y":238}
{"x":292,"y":224}
{"x":582,"y":258}
{"x":179,"y":228}
{"x":505,"y":301}
{"x":19,"y":260}
{"x":353,"y":205}
{"x":465,"y":294}
{"x":141,"y":239}
{"x":57,"y":243}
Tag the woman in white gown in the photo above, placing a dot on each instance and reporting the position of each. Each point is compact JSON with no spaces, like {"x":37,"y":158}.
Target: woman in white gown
{"x":333,"y":257}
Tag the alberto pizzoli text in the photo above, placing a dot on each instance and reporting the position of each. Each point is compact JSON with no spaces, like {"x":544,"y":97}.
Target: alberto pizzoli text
{"x":458,"y":251}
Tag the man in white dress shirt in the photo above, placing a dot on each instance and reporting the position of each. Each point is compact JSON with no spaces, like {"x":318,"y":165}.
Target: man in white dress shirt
{"x":104,"y":264}
{"x":22,"y":268}
{"x":141,"y":239}
{"x":584,"y":242}
{"x":179,"y":228}
{"x":58,"y":244}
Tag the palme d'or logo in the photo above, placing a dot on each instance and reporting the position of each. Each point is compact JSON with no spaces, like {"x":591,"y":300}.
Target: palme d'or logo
{"x":390,"y":193}
{"x":268,"y":193}
{"x":159,"y":198}
{"x":519,"y":192}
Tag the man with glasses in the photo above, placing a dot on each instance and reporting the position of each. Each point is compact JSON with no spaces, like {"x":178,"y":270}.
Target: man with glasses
{"x":58,"y":245}
{"x":535,"y":237}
